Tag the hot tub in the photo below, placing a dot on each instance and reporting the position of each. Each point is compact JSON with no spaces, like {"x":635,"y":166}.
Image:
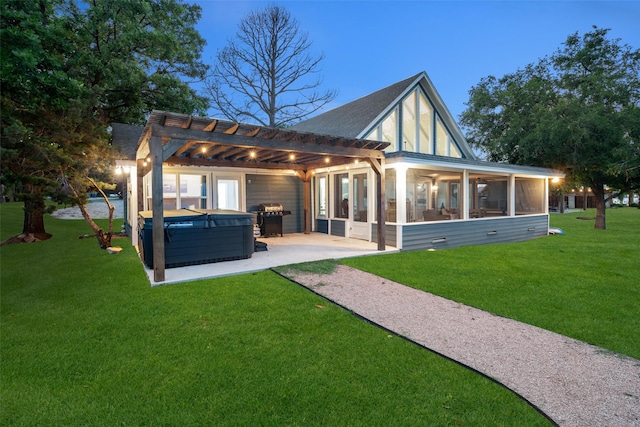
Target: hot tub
{"x":198,"y":236}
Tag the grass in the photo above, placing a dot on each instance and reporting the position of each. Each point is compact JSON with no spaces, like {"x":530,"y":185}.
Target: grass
{"x":584,"y":284}
{"x":325,"y":266}
{"x":86,"y":341}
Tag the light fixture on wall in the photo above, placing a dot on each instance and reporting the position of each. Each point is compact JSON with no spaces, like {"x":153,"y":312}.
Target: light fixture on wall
{"x":122,"y":170}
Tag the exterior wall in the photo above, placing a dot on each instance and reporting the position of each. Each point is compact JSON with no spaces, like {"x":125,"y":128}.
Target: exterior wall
{"x":322,"y":226}
{"x":285,"y":189}
{"x":338,"y":228}
{"x":474,"y":232}
{"x":390,"y":234}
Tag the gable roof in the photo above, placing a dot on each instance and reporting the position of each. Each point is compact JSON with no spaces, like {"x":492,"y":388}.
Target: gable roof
{"x":125,"y":139}
{"x":356,"y":118}
{"x":351,"y":119}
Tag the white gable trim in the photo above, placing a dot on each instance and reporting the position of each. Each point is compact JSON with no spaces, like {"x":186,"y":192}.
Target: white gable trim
{"x":433,"y":97}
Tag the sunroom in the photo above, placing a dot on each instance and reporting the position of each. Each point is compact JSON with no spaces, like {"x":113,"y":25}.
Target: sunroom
{"x":437,"y":194}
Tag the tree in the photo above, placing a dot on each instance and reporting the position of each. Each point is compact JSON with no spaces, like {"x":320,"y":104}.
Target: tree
{"x":267,"y":74}
{"x":577,"y":110}
{"x":69,"y":71}
{"x":43,"y":117}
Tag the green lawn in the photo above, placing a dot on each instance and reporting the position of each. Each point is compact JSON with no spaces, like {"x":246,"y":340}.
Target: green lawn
{"x":86,"y":341}
{"x":584,"y":284}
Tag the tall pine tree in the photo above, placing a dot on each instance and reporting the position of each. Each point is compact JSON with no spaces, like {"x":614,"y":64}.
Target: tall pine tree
{"x":69,"y":70}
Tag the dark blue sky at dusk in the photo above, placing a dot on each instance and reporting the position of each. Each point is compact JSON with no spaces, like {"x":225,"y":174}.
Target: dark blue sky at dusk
{"x":369,"y":45}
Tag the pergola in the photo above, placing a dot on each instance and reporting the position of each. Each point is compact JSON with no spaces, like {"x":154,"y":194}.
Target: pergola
{"x":183,"y":140}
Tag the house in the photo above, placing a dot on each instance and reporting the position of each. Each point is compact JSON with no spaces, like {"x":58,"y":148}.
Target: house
{"x":392,"y":167}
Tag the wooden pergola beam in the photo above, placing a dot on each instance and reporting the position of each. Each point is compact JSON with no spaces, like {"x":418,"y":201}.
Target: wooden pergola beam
{"x":257,"y":142}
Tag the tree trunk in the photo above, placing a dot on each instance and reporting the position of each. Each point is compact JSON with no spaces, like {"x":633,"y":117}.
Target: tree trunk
{"x":598,"y":192}
{"x":33,"y":212}
{"x":104,"y":239}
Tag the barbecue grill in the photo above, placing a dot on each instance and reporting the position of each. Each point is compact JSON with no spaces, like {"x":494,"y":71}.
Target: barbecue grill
{"x":269,"y":217}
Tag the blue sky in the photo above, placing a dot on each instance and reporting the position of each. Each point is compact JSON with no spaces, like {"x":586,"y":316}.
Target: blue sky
{"x":370,"y":44}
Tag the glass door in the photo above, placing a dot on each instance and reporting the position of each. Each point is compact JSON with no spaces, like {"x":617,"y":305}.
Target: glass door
{"x":228,"y":193}
{"x":360,"y":218}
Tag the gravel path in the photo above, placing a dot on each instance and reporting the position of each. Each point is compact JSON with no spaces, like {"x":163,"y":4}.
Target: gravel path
{"x":97,"y":209}
{"x":574,"y":383}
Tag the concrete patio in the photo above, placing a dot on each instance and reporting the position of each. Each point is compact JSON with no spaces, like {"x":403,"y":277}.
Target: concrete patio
{"x":290,"y":249}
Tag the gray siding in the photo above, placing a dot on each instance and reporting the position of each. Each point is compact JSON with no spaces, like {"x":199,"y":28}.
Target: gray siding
{"x":390,"y":234}
{"x":450,"y":234}
{"x":322,"y":226}
{"x":338,"y":228}
{"x":284,"y":189}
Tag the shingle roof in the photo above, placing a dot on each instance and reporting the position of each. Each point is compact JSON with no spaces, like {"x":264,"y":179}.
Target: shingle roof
{"x":351,"y":119}
{"x":476,"y":164}
{"x":125,"y":139}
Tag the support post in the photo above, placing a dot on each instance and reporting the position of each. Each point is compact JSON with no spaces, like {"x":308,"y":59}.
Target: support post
{"x":378,"y":168}
{"x":511,"y":199}
{"x":139,"y":184}
{"x":465,"y":197}
{"x":305,"y":176}
{"x":155,"y":145}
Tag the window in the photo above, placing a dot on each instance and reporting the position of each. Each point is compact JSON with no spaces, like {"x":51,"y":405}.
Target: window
{"x":321,"y":194}
{"x":442,"y":195}
{"x":169,"y":191}
{"x":390,"y":194}
{"x":409,"y":123}
{"x":181,"y":191}
{"x":416,"y":123}
{"x":341,"y":195}
{"x":228,"y":193}
{"x":418,"y":190}
{"x":413,"y":122}
{"x":426,"y":118}
{"x":488,"y":196}
{"x":373,"y":135}
{"x":442,"y":139}
{"x":390,"y":131}
{"x":453,"y":150}
{"x":529,"y":196}
{"x":360,"y":205}
{"x":455,"y":192}
{"x":193,"y":191}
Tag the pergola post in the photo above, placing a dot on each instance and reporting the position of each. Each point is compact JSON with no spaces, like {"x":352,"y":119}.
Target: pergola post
{"x":155,"y":146}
